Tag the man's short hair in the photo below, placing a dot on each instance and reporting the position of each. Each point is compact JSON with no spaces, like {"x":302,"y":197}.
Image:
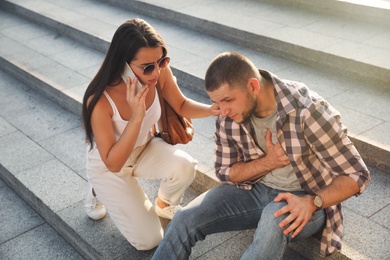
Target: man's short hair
{"x":232,"y":68}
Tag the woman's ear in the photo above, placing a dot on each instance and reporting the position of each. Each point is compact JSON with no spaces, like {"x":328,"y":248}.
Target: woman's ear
{"x":253,"y":86}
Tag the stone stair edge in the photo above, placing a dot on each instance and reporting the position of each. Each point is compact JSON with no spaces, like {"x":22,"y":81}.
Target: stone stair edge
{"x":67,"y":30}
{"x":376,"y":11}
{"x":345,"y":66}
{"x":373,"y":155}
{"x":53,"y":218}
{"x":299,"y":53}
{"x":372,"y":11}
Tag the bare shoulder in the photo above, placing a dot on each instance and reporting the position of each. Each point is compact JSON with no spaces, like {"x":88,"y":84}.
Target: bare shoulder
{"x":102,"y":107}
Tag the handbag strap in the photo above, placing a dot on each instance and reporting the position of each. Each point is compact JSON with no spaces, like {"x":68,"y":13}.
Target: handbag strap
{"x":162,"y":105}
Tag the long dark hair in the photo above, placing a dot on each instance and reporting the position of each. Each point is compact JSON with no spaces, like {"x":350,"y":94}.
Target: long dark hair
{"x":127,"y":40}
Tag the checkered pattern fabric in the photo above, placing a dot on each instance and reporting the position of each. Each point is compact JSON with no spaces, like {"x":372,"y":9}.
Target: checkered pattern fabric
{"x":312,"y":135}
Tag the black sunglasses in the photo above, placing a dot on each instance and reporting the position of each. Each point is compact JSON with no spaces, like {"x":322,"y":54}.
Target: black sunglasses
{"x":148,"y":69}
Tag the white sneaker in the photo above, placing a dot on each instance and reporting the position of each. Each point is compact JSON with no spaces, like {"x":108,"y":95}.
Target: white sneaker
{"x":167,"y":212}
{"x":93,"y":207}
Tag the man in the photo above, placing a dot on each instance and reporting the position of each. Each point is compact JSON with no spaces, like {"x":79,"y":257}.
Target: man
{"x":285,"y":163}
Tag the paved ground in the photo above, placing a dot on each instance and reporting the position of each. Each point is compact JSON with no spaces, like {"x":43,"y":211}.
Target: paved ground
{"x":24,"y":234}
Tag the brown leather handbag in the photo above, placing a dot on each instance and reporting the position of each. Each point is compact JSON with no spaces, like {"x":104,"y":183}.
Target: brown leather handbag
{"x":174,"y":128}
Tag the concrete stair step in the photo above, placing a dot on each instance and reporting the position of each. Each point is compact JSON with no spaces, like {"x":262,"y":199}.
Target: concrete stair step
{"x":61,"y":67}
{"x":340,"y":35}
{"x":331,"y":34}
{"x":373,"y":11}
{"x":24,"y":226}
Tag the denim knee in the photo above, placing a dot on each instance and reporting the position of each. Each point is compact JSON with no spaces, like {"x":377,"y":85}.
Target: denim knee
{"x":268,"y":216}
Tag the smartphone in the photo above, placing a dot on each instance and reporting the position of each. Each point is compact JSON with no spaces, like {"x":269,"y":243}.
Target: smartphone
{"x":128,"y":73}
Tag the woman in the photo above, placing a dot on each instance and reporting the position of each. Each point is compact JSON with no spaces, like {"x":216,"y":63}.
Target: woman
{"x":118,"y":123}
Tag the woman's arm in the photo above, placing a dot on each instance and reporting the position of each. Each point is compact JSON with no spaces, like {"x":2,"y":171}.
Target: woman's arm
{"x":114,"y":153}
{"x":180,"y":103}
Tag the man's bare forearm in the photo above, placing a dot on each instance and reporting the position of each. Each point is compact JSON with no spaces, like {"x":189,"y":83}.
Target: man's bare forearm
{"x":341,"y":188}
{"x":249,"y":171}
{"x":253,"y":170}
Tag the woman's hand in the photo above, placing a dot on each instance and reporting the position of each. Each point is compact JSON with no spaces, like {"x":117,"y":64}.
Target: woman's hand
{"x":136,"y":100}
{"x":214,"y":110}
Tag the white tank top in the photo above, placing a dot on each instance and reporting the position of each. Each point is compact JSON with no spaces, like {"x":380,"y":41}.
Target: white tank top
{"x":152,"y":115}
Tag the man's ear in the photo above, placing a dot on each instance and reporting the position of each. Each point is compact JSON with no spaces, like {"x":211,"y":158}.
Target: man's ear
{"x":253,"y":86}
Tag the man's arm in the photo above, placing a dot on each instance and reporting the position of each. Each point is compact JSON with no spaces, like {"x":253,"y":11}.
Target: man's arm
{"x":327,"y":138}
{"x":301,"y":209}
{"x":341,"y":188}
{"x":237,"y":161}
{"x":253,"y":170}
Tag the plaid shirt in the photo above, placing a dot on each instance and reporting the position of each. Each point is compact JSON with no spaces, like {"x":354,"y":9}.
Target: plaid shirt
{"x":314,"y":139}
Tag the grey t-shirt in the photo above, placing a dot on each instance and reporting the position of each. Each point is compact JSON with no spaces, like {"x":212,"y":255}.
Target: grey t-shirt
{"x":280,"y":178}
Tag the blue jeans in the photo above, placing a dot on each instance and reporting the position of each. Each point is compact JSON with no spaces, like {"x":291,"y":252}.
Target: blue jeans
{"x":227,"y":208}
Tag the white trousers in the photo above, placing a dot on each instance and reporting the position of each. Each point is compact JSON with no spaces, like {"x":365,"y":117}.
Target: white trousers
{"x":126,"y":202}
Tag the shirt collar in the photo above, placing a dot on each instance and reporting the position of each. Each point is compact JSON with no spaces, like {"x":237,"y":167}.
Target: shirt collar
{"x":286,"y":103}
